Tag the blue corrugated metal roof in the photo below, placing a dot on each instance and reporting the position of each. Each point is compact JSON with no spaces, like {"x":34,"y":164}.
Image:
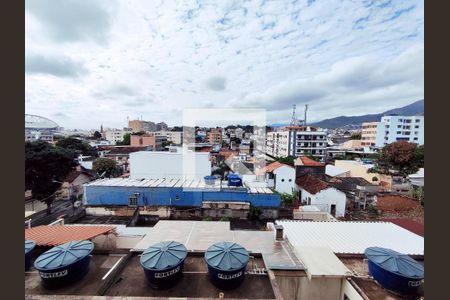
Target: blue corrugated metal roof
{"x":29,"y":245}
{"x":395,"y":262}
{"x":64,"y":255}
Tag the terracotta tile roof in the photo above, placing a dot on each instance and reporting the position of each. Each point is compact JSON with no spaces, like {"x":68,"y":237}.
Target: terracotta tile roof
{"x":410,"y":225}
{"x":59,"y":234}
{"x":74,"y":174}
{"x":396,"y":203}
{"x":308,"y":162}
{"x":311,"y":184}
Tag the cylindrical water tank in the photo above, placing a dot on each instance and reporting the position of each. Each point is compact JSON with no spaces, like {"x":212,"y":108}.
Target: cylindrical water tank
{"x":64,"y":264}
{"x":226,"y":262}
{"x":29,"y":246}
{"x":163,"y":264}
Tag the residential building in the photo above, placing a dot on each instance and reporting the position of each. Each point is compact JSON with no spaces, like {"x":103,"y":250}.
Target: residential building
{"x":334,"y":171}
{"x":120,"y":154}
{"x":369,"y":133}
{"x":305,"y":165}
{"x":361,"y":169}
{"x":400,"y":128}
{"x":214,"y":136}
{"x":280,"y":177}
{"x":116,"y":135}
{"x":153,"y":139}
{"x":139,"y":125}
{"x":315,"y":191}
{"x":171,"y":165}
{"x":296,"y":141}
{"x":176,"y":137}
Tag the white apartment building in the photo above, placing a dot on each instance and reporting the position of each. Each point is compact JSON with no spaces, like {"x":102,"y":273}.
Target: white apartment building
{"x":175,"y":137}
{"x":296,"y":141}
{"x":116,"y":135}
{"x":400,"y":128}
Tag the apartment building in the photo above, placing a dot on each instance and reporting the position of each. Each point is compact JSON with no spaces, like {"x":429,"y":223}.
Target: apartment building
{"x":296,"y":141}
{"x":369,"y":134}
{"x":214,"y":136}
{"x":139,"y":125}
{"x":116,"y":135}
{"x":175,"y":137}
{"x":154,"y":140}
{"x":400,"y":128}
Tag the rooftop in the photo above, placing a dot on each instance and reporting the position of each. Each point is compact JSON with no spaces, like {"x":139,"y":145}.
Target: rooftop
{"x":56,"y":235}
{"x":172,"y":183}
{"x":353,"y":237}
{"x":307,"y":162}
{"x":312,"y":184}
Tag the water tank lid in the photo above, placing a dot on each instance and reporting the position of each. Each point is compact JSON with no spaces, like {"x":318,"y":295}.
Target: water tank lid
{"x":395,"y":262}
{"x":164,"y":255}
{"x":226,"y":256}
{"x":63,"y":255}
{"x":210,"y":177}
{"x":29,"y":245}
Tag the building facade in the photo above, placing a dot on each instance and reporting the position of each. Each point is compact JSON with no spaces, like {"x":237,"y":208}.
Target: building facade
{"x":139,"y":125}
{"x":214,"y":136}
{"x":296,"y":141}
{"x":369,"y":133}
{"x":116,"y":135}
{"x":400,"y":128}
{"x":155,"y":141}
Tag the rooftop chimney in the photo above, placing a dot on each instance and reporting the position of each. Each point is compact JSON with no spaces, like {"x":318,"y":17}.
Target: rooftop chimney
{"x":279,"y":232}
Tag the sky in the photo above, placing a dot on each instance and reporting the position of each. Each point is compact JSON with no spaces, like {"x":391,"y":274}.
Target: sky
{"x":97,"y":62}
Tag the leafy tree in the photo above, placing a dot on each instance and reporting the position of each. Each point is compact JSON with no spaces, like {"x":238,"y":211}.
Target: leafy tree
{"x":287,"y":199}
{"x":418,"y":192}
{"x":76,"y":146}
{"x":46,"y":167}
{"x":97,"y":135}
{"x":356,"y":136}
{"x":166,"y":143}
{"x":289,"y":160}
{"x":125,"y":141}
{"x":402,"y":158}
{"x":254,"y":213}
{"x":177,"y":128}
{"x":106,"y":165}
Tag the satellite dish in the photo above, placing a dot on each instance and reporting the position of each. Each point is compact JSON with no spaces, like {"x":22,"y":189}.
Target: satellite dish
{"x":77,"y":203}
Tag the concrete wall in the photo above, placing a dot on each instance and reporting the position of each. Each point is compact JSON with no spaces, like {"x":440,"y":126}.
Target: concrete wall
{"x":359,"y":170}
{"x":325,"y":198}
{"x":284,"y":179}
{"x":350,"y":292}
{"x":301,"y":287}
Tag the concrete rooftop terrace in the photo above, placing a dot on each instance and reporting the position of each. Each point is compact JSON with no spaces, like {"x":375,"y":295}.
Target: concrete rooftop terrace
{"x":197,"y":236}
{"x":194,"y":184}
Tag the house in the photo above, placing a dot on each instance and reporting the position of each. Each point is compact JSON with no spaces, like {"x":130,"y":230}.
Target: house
{"x":318,"y":192}
{"x":305,"y":165}
{"x":359,"y":191}
{"x":334,"y":171}
{"x":120,"y":154}
{"x":73,"y":183}
{"x":280,"y":176}
{"x":361,"y":169}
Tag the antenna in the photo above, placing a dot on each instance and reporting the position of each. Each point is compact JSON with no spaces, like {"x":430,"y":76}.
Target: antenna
{"x":306,"y":109}
{"x":294,"y":117}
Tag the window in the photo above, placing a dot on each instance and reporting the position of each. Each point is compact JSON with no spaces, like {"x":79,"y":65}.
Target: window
{"x":399,"y":126}
{"x":290,"y":180}
{"x":282,"y":180}
{"x":177,"y":197}
{"x":399,"y":132}
{"x":416,"y":132}
{"x":132,"y":201}
{"x":417,"y":120}
{"x":416,"y":138}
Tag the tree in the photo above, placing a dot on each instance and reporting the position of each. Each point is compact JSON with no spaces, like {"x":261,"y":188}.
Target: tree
{"x":287,"y":199}
{"x":107,"y":166}
{"x":46,"y":167}
{"x":97,"y":135}
{"x":356,"y":136}
{"x":289,"y":160}
{"x":402,"y":158}
{"x":125,"y":141}
{"x":76,"y":146}
{"x":177,"y":128}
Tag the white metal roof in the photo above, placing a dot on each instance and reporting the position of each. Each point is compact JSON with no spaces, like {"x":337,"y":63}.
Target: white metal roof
{"x":179,"y":183}
{"x":331,"y":170}
{"x":321,"y":261}
{"x":352,"y":237}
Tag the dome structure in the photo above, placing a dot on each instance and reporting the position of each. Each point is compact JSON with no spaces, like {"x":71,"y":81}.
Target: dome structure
{"x":34,"y":122}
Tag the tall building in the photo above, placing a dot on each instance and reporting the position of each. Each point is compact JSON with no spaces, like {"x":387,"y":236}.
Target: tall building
{"x":139,"y":125}
{"x":400,"y":128}
{"x":369,"y":133}
{"x":116,"y":135}
{"x":150,"y":139}
{"x":296,"y":141}
{"x":214,"y":136}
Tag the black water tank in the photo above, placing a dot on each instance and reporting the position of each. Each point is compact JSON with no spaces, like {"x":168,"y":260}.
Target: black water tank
{"x":29,"y":246}
{"x":163,"y":264}
{"x":226,"y":262}
{"x":64,"y":264}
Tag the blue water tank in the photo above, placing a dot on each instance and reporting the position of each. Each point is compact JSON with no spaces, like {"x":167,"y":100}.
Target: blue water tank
{"x":163,"y":264}
{"x":210,"y":180}
{"x":226,"y":262}
{"x":29,"y":246}
{"x":64,"y":264}
{"x":394,"y":271}
{"x":234,"y":180}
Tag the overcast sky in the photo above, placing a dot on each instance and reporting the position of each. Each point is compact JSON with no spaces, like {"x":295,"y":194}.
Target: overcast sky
{"x":97,"y":62}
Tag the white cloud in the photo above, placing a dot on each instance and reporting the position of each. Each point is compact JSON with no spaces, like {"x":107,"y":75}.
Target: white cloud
{"x":154,"y":59}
